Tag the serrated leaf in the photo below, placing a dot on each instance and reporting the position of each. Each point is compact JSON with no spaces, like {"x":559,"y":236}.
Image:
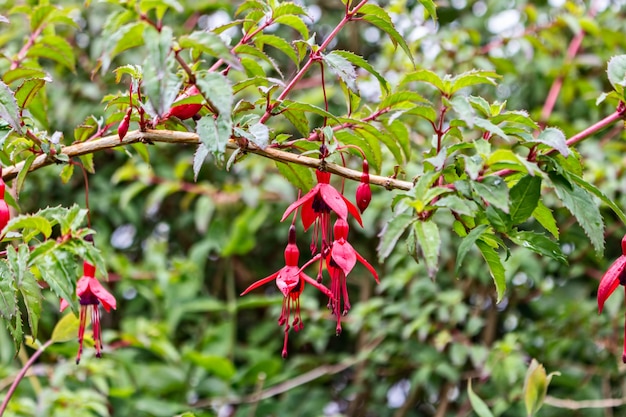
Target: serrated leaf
{"x":387,"y":26}
{"x":545,"y":218}
{"x":580,"y":203}
{"x":31,"y":225}
{"x":278,"y":43}
{"x":31,"y":295}
{"x":211,"y":44}
{"x":362,"y":63}
{"x":491,"y":128}
{"x":55,"y":48}
{"x":23,"y":73}
{"x":66,"y":173}
{"x":524,"y":197}
{"x":471,"y":78}
{"x":295,"y":22}
{"x":391,"y":233}
{"x":8,"y":292}
{"x":616,"y":70}
{"x":58,"y":270}
{"x":494,"y":191}
{"x":261,"y":135}
{"x":290,"y":106}
{"x":427,"y":76}
{"x":21,"y":176}
{"x":496,"y":269}
{"x":342,"y":68}
{"x":347,"y":137}
{"x":538,"y":243}
{"x":202,"y":151}
{"x":27,"y":91}
{"x":478,"y":405}
{"x":288,"y":8}
{"x":466,"y":245}
{"x":9,"y":111}
{"x":299,"y":120}
{"x":598,"y":193}
{"x":218,"y":91}
{"x":554,"y":138}
{"x":215,"y":133}
{"x":301,"y":177}
{"x":427,"y":233}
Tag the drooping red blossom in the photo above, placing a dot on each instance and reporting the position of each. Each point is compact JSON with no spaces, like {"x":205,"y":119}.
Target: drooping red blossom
{"x":90,"y":295}
{"x":363,"y":191}
{"x":5,"y":213}
{"x":290,"y":281}
{"x":187,"y":110}
{"x":340,"y":259}
{"x":614,"y":277}
{"x":317,"y":205}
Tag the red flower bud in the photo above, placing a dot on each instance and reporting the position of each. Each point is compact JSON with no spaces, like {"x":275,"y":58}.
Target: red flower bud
{"x":123,"y":127}
{"x":5,"y":214}
{"x":363,"y":196}
{"x":185,"y":111}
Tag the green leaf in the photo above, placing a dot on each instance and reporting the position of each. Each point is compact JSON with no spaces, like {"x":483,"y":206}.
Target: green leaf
{"x":430,"y":7}
{"x":554,"y":138}
{"x":466,"y":245}
{"x":30,"y":290}
{"x":214,"y":133}
{"x":296,"y":106}
{"x":391,"y":233}
{"x":536,"y":387}
{"x":260,"y":135}
{"x":26,"y":92}
{"x":219,"y":366}
{"x":471,"y":78}
{"x":616,"y":70}
{"x":377,"y":16}
{"x":31,"y":225}
{"x":58,"y":270}
{"x":23,"y":73}
{"x":55,"y":48}
{"x":210,"y":44}
{"x":496,"y":269}
{"x":478,"y":405}
{"x":362,"y":63}
{"x":288,"y":8}
{"x":301,"y":177}
{"x":545,"y":218}
{"x":9,"y":111}
{"x":427,"y":76}
{"x":342,"y":68}
{"x":524,"y":197}
{"x":66,"y":329}
{"x":277,"y":42}
{"x":580,"y":203}
{"x":21,"y":176}
{"x":538,"y":243}
{"x":598,"y":193}
{"x":491,"y":128}
{"x":429,"y":240}
{"x":494,"y":191}
{"x":198,"y":160}
{"x":295,"y":22}
{"x":217,"y":89}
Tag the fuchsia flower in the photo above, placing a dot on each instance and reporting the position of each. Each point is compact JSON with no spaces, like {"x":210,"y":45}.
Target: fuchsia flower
{"x":290,"y":281}
{"x":317,"y":205}
{"x":614,"y":277}
{"x":363,"y":191}
{"x":340,"y":260}
{"x":5,"y":214}
{"x":90,"y":294}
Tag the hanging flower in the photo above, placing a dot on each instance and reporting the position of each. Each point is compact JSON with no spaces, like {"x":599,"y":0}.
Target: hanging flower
{"x":614,"y":277}
{"x":5,"y":213}
{"x":290,"y":281}
{"x":363,"y":191}
{"x":317,"y":205}
{"x":340,"y":259}
{"x":90,"y":294}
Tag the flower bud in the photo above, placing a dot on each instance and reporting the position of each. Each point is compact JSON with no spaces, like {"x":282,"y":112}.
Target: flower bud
{"x":363,"y":196}
{"x":185,"y":111}
{"x":123,"y":127}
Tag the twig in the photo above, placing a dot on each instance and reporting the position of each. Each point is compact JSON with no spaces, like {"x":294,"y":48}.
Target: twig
{"x":21,"y":374}
{"x":578,"y":405}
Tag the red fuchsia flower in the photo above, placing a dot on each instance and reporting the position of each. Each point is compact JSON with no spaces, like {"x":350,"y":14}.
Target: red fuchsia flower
{"x":614,"y":277}
{"x":340,"y":260}
{"x":290,"y":281}
{"x":363,"y":191}
{"x":187,"y":110}
{"x":5,"y":214}
{"x":317,"y":205}
{"x":90,"y":294}
{"x":124,"y":124}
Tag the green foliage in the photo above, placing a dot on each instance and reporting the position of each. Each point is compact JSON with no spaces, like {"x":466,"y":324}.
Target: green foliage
{"x":508,"y":220}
